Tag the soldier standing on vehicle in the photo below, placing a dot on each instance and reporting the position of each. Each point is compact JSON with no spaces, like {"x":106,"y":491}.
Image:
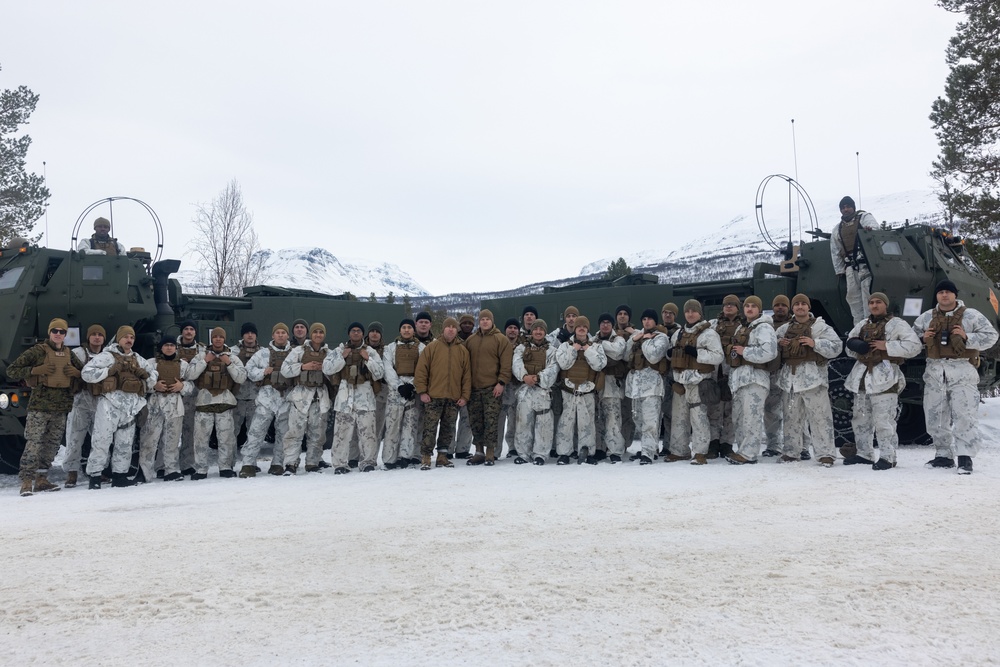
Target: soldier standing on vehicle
{"x":849,"y":258}
{"x":534,"y":366}
{"x":264,"y":369}
{"x":162,"y":430}
{"x":954,"y":335}
{"x":754,"y":350}
{"x":101,"y":242}
{"x":356,"y":369}
{"x":188,"y":348}
{"x":880,"y":344}
{"x":609,"y":402}
{"x":646,"y":352}
{"x":309,"y":401}
{"x":216,"y":373}
{"x":773,"y":414}
{"x":125,"y":379}
{"x":443,"y":380}
{"x":490,"y":355}
{"x":695,"y":353}
{"x":246,"y":394}
{"x":81,"y":418}
{"x":51,"y":370}
{"x":807,"y":343}
{"x":400,"y":365}
{"x":581,"y":380}
{"x":720,"y":415}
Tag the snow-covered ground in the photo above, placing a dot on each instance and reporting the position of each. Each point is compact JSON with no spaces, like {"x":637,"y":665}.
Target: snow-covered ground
{"x":514,"y":565}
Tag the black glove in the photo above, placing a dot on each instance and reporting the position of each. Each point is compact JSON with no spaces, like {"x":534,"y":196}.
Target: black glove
{"x":670,"y":352}
{"x":691,"y":350}
{"x":407,"y":391}
{"x":858,"y":346}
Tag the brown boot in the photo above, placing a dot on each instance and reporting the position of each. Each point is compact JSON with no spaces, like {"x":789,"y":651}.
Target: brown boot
{"x":785,"y":458}
{"x":700,"y":460}
{"x":248,"y":471}
{"x":443,"y":461}
{"x":490,"y":456}
{"x":672,"y":458}
{"x":42,"y":483}
{"x":476,"y":460}
{"x":425,"y":461}
{"x":70,"y":479}
{"x":25,"y":487}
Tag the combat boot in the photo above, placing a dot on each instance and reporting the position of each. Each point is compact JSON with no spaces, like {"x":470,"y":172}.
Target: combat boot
{"x":120,"y":479}
{"x":248,"y":471}
{"x":713,"y":450}
{"x":490,"y":456}
{"x":700,"y":460}
{"x":70,"y":479}
{"x":95,"y":482}
{"x":443,"y":461}
{"x":672,"y":458}
{"x":964,"y":466}
{"x":26,"y":487}
{"x":42,"y":483}
{"x":275,"y":470}
{"x":425,"y":462}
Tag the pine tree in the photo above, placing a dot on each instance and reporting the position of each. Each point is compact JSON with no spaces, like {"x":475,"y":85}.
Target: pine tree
{"x":617,"y":269}
{"x":23,"y":196}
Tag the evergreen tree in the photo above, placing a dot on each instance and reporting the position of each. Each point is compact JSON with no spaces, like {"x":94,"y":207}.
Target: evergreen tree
{"x":391,"y":298}
{"x":967,"y":122}
{"x":407,"y":306}
{"x":617,"y":269}
{"x":23,"y":196}
{"x":372,"y":298}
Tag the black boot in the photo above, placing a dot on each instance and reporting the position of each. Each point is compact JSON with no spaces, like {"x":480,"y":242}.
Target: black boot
{"x":964,"y":465}
{"x":140,"y":477}
{"x":713,"y":450}
{"x":120,"y":479}
{"x":941,"y":462}
{"x":95,"y":482}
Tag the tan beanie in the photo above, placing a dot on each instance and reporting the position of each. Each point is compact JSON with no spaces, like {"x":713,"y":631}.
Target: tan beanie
{"x":282,"y":326}
{"x":485,"y":312}
{"x":217,"y":332}
{"x":782,"y":299}
{"x":318,"y":326}
{"x":124,"y":330}
{"x":450,"y":322}
{"x":755,"y":300}
{"x":582,"y":321}
{"x":571,"y":310}
{"x":670,"y":307}
{"x":58,"y":323}
{"x":539,"y":324}
{"x":875,"y":295}
{"x":692,"y":304}
{"x":731,"y":300}
{"x":801,"y":298}
{"x":96,"y":329}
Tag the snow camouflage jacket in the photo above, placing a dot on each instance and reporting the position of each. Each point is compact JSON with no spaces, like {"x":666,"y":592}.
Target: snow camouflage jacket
{"x":169,"y":404}
{"x":247,"y":391}
{"x":982,"y":336}
{"x":392,"y":379}
{"x":301,"y":394}
{"x":648,"y":382}
{"x":837,"y":250}
{"x":808,"y":374}
{"x":614,"y":350}
{"x":900,"y":341}
{"x":566,"y":356}
{"x":359,"y":397}
{"x":236,"y":371}
{"x":709,"y":352}
{"x":760,"y":349}
{"x":267,"y":395}
{"x":96,"y":370}
{"x":539,"y":397}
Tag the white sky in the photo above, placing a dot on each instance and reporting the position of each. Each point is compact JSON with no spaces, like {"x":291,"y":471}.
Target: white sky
{"x":460,"y":139}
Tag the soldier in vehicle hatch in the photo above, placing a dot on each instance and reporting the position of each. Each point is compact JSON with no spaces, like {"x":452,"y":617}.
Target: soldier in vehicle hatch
{"x":101,"y":242}
{"x":849,"y":260}
{"x":50,"y":369}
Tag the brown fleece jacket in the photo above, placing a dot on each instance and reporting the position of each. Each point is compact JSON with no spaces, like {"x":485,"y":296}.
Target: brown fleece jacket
{"x":491,"y":356}
{"x":443,"y":370}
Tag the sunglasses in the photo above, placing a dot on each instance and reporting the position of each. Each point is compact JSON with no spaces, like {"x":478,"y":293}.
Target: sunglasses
{"x":60,"y":332}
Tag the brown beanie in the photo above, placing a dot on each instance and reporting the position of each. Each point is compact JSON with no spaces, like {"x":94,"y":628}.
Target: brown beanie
{"x":96,"y":329}
{"x":450,"y":322}
{"x":670,"y":307}
{"x":875,"y":295}
{"x":571,"y":310}
{"x":782,"y":299}
{"x":282,"y":326}
{"x":466,"y":318}
{"x":803,"y":298}
{"x":755,"y":300}
{"x":318,"y":326}
{"x":217,"y":332}
{"x":731,"y":300}
{"x":692,"y":304}
{"x":539,"y":324}
{"x":485,"y":312}
{"x":102,"y":221}
{"x":582,"y":321}
{"x":124,"y":330}
{"x":58,"y":323}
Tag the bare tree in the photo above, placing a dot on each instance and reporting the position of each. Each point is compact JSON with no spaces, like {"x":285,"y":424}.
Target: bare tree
{"x":227,"y":245}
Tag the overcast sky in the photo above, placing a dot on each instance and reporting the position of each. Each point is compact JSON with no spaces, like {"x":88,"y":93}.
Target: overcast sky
{"x":477,"y":145}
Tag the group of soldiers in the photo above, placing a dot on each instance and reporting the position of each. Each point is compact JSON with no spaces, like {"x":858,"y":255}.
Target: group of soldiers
{"x":743,"y":385}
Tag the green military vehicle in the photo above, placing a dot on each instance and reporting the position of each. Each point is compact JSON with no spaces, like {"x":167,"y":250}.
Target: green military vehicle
{"x":38,"y":284}
{"x":906,"y":263}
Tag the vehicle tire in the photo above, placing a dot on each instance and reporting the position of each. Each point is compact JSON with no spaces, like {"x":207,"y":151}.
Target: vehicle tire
{"x":11,"y":448}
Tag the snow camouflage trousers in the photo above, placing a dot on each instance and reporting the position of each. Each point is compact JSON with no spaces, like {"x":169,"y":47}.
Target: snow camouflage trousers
{"x":506,"y":427}
{"x":534,"y":433}
{"x":78,"y":424}
{"x":876,"y":413}
{"x":381,"y":402}
{"x":951,"y":410}
{"x":111,"y":424}
{"x":609,"y":426}
{"x":689,"y":427}
{"x":484,"y":414}
{"x":748,"y":419}
{"x":305,"y":419}
{"x":443,"y":412}
{"x":646,"y":415}
{"x":774,"y":415}
{"x":810,"y":407}
{"x":258,"y":431}
{"x":243,"y":414}
{"x":400,"y":428}
{"x":186,"y":456}
{"x":159,"y":439}
{"x":353,"y":425}
{"x":577,"y":419}
{"x":43,"y":432}
{"x":720,"y":419}
{"x":223,"y":423}
{"x":859,"y":285}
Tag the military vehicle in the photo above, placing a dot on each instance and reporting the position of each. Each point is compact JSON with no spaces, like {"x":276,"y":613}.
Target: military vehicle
{"x":906,"y":263}
{"x":38,"y":284}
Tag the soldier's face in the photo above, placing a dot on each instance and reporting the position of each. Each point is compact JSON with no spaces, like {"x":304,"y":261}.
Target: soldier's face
{"x":449,"y":333}
{"x":604,"y":327}
{"x":529,"y":319}
{"x":280,"y":337}
{"x":300,"y":331}
{"x":374,"y":337}
{"x":188,"y":334}
{"x":780,"y":309}
{"x":730,"y":310}
{"x":126,"y":342}
{"x":168,"y":349}
{"x":355,"y":335}
{"x":947,"y":300}
{"x":96,"y":341}
{"x":751,"y":311}
{"x":102,"y":229}
{"x":622,"y":317}
{"x":847,"y":211}
{"x":538,"y":335}
{"x":218,"y":342}
{"x":581,"y":333}
{"x":877,"y":307}
{"x":570,"y":320}
{"x":57,"y":336}
{"x":668,"y":316}
{"x":801,"y":309}
{"x":648,"y":323}
{"x":317,"y":337}
{"x":485,"y":324}
{"x":249,"y":339}
{"x":406,"y":332}
{"x":466,"y":326}
{"x":424,"y":327}
{"x":691,"y":316}
{"x":512,"y":331}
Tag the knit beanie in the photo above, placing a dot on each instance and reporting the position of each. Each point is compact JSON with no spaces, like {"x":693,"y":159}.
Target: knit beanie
{"x":755,"y":300}
{"x":582,"y":321}
{"x":96,"y":329}
{"x":692,"y":304}
{"x":248,"y":327}
{"x":801,"y":298}
{"x":782,"y":299}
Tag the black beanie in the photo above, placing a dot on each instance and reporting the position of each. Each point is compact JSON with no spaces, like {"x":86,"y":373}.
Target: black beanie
{"x":407,"y":320}
{"x":605,"y":317}
{"x":248,"y":327}
{"x":625,"y":308}
{"x":189,"y":323}
{"x":946,"y":285}
{"x":650,"y":313}
{"x":511,"y":322}
{"x":424,"y":315}
{"x":848,"y":202}
{"x":168,"y":339}
{"x":375,"y":326}
{"x":353,"y":325}
{"x":529,"y":309}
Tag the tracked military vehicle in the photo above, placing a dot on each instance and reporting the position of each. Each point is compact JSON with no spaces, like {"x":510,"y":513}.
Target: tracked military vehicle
{"x":906,"y":263}
{"x":38,"y":284}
